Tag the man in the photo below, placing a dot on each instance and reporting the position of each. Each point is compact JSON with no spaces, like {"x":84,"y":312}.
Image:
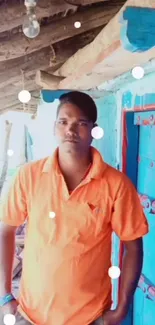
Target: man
{"x":72,"y":202}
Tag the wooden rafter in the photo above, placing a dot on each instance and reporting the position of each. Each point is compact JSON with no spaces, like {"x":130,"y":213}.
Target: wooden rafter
{"x":44,"y":59}
{"x":48,"y":81}
{"x":32,"y":109}
{"x":13,"y":12}
{"x":58,"y":41}
{"x":13,"y":100}
{"x":13,"y":90}
{"x":105,"y":53}
{"x":18,"y":45}
{"x":49,"y":59}
{"x":88,"y":2}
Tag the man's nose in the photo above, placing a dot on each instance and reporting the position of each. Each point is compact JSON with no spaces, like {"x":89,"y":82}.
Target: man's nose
{"x":72,"y":129}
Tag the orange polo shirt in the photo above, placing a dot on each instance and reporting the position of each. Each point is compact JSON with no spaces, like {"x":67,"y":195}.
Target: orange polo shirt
{"x":66,"y":260}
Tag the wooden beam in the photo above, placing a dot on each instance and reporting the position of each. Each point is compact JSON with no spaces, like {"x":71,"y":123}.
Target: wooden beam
{"x":85,"y":2}
{"x":48,"y":58}
{"x":10,"y":74}
{"x":13,"y":12}
{"x":10,"y":71}
{"x":18,"y":45}
{"x":105,"y":44}
{"x":3,"y":110}
{"x":118,"y":63}
{"x":16,"y":88}
{"x":47,"y":81}
{"x":12,"y":100}
{"x":18,"y":108}
{"x":32,"y":109}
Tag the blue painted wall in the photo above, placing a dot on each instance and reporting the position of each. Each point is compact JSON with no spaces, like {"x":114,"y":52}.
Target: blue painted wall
{"x":128,"y":93}
{"x":107,"y":112}
{"x":137,"y":35}
{"x":139,"y":94}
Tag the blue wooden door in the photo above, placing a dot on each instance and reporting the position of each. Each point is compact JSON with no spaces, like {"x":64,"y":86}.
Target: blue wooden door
{"x":144,"y":298}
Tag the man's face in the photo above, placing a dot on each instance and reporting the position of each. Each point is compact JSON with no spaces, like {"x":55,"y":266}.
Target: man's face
{"x":73,"y":129}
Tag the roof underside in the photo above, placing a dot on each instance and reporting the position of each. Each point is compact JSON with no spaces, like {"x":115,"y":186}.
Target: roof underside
{"x":57,"y":42}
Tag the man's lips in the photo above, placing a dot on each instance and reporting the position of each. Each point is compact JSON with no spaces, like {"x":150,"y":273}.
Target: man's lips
{"x":71,"y":140}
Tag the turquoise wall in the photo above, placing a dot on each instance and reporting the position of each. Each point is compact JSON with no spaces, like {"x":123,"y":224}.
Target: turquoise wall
{"x":126,"y":94}
{"x":139,"y":95}
{"x":133,"y":95}
{"x":107,"y":113}
{"x":107,"y":119}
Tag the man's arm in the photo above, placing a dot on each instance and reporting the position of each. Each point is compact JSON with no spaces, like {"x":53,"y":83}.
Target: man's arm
{"x":7,"y":250}
{"x":13,"y":213}
{"x":130,"y":274}
{"x":130,"y":224}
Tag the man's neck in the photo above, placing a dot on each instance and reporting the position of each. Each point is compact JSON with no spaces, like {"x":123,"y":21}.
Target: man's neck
{"x":70,"y":163}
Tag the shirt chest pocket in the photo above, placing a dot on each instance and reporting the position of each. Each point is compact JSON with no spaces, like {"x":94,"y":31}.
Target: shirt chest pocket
{"x":96,"y":216}
{"x":76,"y":226}
{"x":84,"y":222}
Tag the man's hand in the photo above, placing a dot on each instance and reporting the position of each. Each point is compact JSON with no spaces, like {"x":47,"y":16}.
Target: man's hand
{"x":113,"y":317}
{"x":9,"y":308}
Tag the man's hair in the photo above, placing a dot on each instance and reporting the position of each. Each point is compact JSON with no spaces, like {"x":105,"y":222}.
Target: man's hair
{"x":83,"y":101}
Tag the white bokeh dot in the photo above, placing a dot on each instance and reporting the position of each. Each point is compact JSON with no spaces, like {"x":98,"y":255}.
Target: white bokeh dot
{"x":52,"y":214}
{"x":97,"y":132}
{"x":114,"y":272}
{"x":9,"y":319}
{"x":77,"y":24}
{"x":24,"y":96}
{"x":138,"y":72}
{"x":10,"y":152}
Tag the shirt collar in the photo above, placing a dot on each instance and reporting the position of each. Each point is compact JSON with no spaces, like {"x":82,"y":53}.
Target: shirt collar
{"x":96,"y":170}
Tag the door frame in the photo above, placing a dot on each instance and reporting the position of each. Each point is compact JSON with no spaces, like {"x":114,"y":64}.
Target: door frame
{"x":130,"y":142}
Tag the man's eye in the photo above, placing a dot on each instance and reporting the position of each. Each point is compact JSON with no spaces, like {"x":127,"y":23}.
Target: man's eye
{"x":62,"y":122}
{"x":83,"y":123}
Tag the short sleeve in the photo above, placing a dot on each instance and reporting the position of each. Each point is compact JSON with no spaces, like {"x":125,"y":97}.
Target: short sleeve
{"x":13,"y":207}
{"x":128,"y":219}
